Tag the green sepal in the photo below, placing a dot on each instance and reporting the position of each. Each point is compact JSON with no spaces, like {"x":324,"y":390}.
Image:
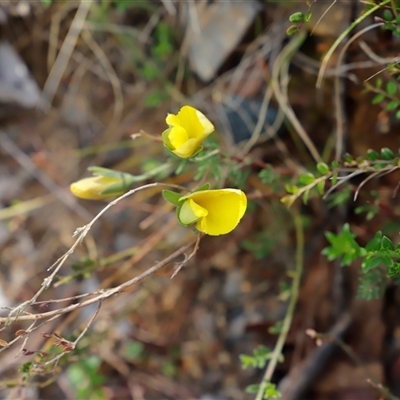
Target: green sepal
{"x":186,"y":216}
{"x":165,"y":138}
{"x":172,"y":197}
{"x":107,"y":172}
{"x":206,"y":186}
{"x":125,"y":184}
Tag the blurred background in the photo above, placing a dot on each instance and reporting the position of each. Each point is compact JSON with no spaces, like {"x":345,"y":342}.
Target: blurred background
{"x":77,"y":79}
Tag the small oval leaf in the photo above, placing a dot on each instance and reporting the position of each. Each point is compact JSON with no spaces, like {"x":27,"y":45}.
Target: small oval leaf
{"x":323,"y":168}
{"x":297,"y":17}
{"x":387,"y":154}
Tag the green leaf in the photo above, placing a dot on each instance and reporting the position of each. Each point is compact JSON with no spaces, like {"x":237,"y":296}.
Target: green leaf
{"x":379,"y":166}
{"x":276,"y":329}
{"x":132,"y":350}
{"x":378,"y":98}
{"x":392,"y":105}
{"x":397,"y":114}
{"x":387,"y":261}
{"x":387,"y":15}
{"x":390,"y":26}
{"x":271,"y":392}
{"x":307,"y":17}
{"x":372,"y":155}
{"x":181,"y":166}
{"x":343,"y":245}
{"x":292,"y":189}
{"x":252,"y":388}
{"x":306,"y":178}
{"x":335,"y":164}
{"x":247,"y":361}
{"x":26,"y":367}
{"x":296,"y":17}
{"x":378,"y":83}
{"x":172,"y":197}
{"x":321,"y":187}
{"x":323,"y":168}
{"x":394,"y":269}
{"x":335,"y":178}
{"x":375,"y":243}
{"x":292,"y":30}
{"x":387,"y":154}
{"x":306,"y":196}
{"x":391,"y":88}
{"x":348,"y":158}
{"x":370,"y":263}
{"x":386,"y":243}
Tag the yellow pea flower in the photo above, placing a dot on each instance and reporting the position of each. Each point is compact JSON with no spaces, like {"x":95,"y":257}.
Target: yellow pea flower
{"x":215,"y":212}
{"x":92,"y":188}
{"x":187,"y":131}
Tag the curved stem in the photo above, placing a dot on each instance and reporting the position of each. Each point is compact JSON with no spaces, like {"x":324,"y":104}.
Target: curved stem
{"x":291,"y":307}
{"x":342,"y":36}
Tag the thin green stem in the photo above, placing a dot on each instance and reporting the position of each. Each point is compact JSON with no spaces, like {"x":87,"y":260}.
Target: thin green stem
{"x":343,"y":35}
{"x":291,"y":307}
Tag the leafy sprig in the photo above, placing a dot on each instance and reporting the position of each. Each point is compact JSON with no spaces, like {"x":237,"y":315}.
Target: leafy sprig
{"x":380,"y":259}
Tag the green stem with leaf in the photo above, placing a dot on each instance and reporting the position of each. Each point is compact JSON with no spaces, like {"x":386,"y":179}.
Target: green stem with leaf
{"x":291,"y":307}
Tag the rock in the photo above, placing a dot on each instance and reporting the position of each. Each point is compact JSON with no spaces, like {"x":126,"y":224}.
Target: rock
{"x":214,"y":32}
{"x":17,"y":87}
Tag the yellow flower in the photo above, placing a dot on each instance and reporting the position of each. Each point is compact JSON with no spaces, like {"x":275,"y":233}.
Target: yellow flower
{"x":92,"y":188}
{"x":215,"y":212}
{"x":187,"y":131}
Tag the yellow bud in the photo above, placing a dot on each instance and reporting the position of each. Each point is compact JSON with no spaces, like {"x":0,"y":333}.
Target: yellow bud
{"x":91,"y":188}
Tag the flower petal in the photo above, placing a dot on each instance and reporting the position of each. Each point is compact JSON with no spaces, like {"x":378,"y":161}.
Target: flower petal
{"x":188,"y":149}
{"x":225,"y":209}
{"x":177,"y":136}
{"x":173,"y":120}
{"x":91,"y":188}
{"x":208,"y":127}
{"x":187,"y":130}
{"x":189,"y":120}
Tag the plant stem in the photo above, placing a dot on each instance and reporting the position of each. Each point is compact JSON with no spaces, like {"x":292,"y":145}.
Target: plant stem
{"x":291,"y":307}
{"x":343,"y":35}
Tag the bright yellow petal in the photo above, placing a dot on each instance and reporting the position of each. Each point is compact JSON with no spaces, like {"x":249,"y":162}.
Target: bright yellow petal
{"x":188,"y":129}
{"x":190,"y":212}
{"x":208,"y":127}
{"x":188,"y":118}
{"x":198,"y":211}
{"x":177,"y":137}
{"x":194,"y":122}
{"x":225,"y":209}
{"x":91,"y":188}
{"x":173,"y":120}
{"x":188,"y":148}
